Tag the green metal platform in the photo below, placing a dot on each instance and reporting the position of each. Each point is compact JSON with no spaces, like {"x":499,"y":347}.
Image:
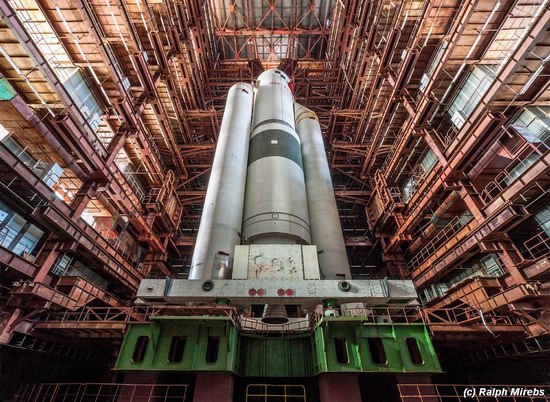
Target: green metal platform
{"x":337,"y":344}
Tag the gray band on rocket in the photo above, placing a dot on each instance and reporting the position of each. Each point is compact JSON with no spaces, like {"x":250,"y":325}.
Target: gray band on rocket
{"x":272,"y":121}
{"x":275,"y":143}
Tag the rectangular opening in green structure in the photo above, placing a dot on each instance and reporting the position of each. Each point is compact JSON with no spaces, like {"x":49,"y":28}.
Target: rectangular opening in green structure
{"x":179,"y":344}
{"x":356,"y":346}
{"x":6,"y":90}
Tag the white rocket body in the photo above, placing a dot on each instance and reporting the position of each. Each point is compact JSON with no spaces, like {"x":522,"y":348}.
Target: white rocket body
{"x":275,"y":207}
{"x":221,"y":219}
{"x":269,"y":183}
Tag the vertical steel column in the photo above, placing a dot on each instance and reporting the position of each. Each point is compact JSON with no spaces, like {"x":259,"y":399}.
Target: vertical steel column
{"x":221,"y":220}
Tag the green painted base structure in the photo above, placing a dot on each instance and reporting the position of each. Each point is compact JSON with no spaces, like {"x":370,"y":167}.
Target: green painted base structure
{"x":337,"y":344}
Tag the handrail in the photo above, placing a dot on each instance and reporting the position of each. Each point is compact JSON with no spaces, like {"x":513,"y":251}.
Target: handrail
{"x":461,"y":392}
{"x":452,"y":228}
{"x":536,"y":246}
{"x":371,"y":315}
{"x":101,"y":391}
{"x":504,"y":179}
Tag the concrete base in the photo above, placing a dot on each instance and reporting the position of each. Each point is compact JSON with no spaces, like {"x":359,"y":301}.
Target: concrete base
{"x":211,"y":387}
{"x":339,"y":387}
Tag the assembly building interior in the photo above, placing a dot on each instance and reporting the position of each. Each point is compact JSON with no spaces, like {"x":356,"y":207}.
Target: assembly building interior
{"x":274,"y":200}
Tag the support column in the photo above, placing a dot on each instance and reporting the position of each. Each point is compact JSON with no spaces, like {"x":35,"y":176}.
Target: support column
{"x":9,"y":325}
{"x":472,"y":200}
{"x":46,"y":258}
{"x":511,"y":257}
{"x":339,"y":387}
{"x":214,"y":387}
{"x":436,"y":146}
{"x":80,"y":201}
{"x":114,"y":147}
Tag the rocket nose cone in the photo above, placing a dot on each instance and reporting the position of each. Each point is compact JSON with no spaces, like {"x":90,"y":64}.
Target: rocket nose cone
{"x":272,"y":75}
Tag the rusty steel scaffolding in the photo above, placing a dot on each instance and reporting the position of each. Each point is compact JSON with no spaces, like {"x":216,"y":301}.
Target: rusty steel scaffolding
{"x":434,"y":115}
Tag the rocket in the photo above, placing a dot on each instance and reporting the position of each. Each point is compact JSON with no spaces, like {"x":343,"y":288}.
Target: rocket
{"x":270,"y":183}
